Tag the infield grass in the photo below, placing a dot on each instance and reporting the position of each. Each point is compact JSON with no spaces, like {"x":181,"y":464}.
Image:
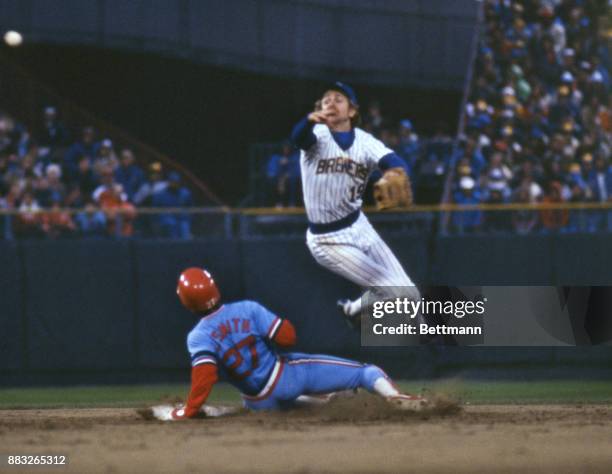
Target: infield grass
{"x":470,"y":391}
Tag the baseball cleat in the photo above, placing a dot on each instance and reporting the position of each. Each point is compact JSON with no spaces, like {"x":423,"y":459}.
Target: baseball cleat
{"x":408,"y":402}
{"x":354,"y":321}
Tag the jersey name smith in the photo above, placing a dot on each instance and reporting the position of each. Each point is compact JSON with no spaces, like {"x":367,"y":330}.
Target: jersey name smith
{"x":230,"y":326}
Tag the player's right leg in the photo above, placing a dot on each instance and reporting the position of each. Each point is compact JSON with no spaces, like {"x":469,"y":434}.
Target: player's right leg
{"x":399,"y":285}
{"x":383,"y":255}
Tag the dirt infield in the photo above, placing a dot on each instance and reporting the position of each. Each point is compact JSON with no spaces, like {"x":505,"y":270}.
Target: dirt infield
{"x":354,"y":436}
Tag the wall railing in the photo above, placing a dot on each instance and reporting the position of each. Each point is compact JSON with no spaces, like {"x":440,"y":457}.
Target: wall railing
{"x":227,"y":223}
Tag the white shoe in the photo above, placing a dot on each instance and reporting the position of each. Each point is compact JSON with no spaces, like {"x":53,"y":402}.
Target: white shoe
{"x":344,"y":305}
{"x":408,"y":402}
{"x":353,"y":321}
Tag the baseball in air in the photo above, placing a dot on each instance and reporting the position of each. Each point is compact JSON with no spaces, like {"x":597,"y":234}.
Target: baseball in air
{"x":13,"y":38}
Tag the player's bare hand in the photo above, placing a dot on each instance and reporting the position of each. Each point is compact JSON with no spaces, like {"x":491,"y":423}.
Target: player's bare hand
{"x":168,"y":413}
{"x":319,"y":117}
{"x":175,"y":413}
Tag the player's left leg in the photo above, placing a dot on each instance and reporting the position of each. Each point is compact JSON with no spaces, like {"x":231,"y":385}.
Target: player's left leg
{"x":321,"y":374}
{"x":400,"y":284}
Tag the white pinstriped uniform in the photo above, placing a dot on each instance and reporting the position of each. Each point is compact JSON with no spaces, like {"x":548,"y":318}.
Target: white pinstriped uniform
{"x":333,"y":181}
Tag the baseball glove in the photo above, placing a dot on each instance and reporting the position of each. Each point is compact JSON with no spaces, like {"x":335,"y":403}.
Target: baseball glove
{"x":393,"y":190}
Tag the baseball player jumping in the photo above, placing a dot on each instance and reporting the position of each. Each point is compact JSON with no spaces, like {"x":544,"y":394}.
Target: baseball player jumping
{"x":241,"y":339}
{"x":337,"y":158}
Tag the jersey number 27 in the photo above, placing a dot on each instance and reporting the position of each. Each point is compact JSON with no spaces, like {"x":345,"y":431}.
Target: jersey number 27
{"x":235,"y":353}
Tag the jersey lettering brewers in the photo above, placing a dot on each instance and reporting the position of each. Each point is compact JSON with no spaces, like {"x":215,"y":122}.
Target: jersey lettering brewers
{"x":333,"y":179}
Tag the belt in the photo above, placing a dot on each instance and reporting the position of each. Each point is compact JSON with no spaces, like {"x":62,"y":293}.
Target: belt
{"x":336,"y":225}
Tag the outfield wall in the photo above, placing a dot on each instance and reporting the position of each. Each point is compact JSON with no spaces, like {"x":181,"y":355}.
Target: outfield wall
{"x":106,"y":310}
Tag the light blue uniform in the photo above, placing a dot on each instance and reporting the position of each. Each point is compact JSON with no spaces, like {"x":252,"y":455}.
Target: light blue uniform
{"x":238,"y":339}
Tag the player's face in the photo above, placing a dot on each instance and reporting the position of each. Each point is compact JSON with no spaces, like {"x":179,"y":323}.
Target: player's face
{"x":338,"y":107}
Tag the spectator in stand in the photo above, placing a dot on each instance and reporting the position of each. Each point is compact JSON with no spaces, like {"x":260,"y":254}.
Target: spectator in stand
{"x":554,"y":220}
{"x":42,"y":193}
{"x":467,"y":221}
{"x":13,"y":196}
{"x":55,"y":187}
{"x":496,"y":180}
{"x":390,"y":138}
{"x":86,"y":146}
{"x":283,"y":174}
{"x":5,"y":224}
{"x":4,"y":172}
{"x":7,"y":143}
{"x":119,"y":213}
{"x":57,"y":223}
{"x":474,"y":157}
{"x":587,"y":171}
{"x":173,"y":225}
{"x":13,"y":167}
{"x":529,"y":174}
{"x":374,"y":121}
{"x":524,"y":221}
{"x":409,"y":145}
{"x":106,"y":157}
{"x":497,"y":192}
{"x":92,"y":221}
{"x":431,"y":167}
{"x":82,"y":184}
{"x":498,"y":171}
{"x":10,"y":202}
{"x":551,"y":27}
{"x":26,"y":174}
{"x":129,"y":174}
{"x":28,"y":221}
{"x":463,"y":169}
{"x":154,"y":184}
{"x":600,"y":185}
{"x":53,"y":134}
{"x":578,"y":192}
{"x":600,"y":180}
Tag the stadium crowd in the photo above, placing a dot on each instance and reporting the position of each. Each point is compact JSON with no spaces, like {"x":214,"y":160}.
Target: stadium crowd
{"x":537,"y":125}
{"x":85,"y":187}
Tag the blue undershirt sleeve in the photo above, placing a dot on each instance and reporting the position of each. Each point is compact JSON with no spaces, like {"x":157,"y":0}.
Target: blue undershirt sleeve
{"x":392,"y":160}
{"x":302,"y":135}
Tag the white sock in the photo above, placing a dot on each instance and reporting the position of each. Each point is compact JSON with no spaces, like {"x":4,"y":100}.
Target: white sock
{"x":385,"y":388}
{"x":313,"y":400}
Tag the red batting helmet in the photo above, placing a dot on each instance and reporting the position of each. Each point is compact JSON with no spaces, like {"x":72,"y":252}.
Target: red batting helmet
{"x":197,"y":290}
